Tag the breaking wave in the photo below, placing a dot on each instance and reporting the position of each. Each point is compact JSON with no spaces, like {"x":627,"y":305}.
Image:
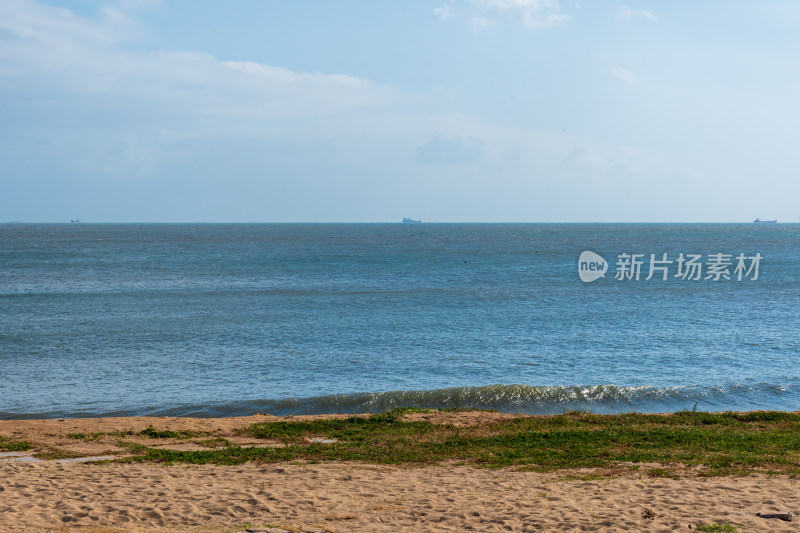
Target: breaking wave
{"x":525,"y":399}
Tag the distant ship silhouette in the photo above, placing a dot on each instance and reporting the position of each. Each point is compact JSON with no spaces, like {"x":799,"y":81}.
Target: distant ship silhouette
{"x":759,"y":221}
{"x":407,"y":220}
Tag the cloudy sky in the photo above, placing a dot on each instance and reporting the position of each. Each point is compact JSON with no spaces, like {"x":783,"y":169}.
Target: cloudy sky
{"x":445,"y":110}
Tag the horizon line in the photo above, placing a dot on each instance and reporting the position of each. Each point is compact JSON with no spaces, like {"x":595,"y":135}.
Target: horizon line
{"x":79,"y":222}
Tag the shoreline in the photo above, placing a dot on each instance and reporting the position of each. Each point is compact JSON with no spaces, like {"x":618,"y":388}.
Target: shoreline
{"x":342,"y":414}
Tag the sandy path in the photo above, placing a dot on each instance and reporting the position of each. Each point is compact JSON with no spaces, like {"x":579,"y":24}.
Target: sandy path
{"x":355,"y":498}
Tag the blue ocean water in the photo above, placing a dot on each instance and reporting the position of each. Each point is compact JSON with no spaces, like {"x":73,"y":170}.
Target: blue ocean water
{"x":231,"y":319}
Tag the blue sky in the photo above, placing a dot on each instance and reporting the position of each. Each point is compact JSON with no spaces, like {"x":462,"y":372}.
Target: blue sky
{"x":446,"y":110}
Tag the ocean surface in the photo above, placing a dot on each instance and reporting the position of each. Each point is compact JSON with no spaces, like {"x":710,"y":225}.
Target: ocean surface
{"x":236,"y":319}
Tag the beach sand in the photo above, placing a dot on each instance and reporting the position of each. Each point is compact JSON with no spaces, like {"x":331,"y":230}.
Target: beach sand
{"x":351,"y":497}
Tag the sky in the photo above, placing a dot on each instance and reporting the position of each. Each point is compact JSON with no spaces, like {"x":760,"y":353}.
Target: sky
{"x":367,"y":111}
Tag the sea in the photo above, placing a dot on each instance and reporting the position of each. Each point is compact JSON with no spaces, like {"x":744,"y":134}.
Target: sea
{"x":212,"y":320}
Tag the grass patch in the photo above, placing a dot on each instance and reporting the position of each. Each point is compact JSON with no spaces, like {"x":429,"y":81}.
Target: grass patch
{"x":14,"y":446}
{"x":153,"y":433}
{"x":54,"y":454}
{"x":149,"y":432}
{"x":717,"y":528}
{"x":86,"y":436}
{"x":724,"y":443}
{"x":83,"y":436}
{"x":97,"y":436}
{"x":219,"y":442}
{"x":662,"y":472}
{"x":461,"y":410}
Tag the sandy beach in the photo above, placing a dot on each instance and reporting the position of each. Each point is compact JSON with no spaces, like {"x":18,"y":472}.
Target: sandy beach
{"x":48,"y":495}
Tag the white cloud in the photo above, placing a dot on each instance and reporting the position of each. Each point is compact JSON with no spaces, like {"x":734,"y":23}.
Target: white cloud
{"x":137,"y":155}
{"x":451,"y":150}
{"x":625,"y":75}
{"x":26,"y":20}
{"x":56,"y":50}
{"x":482,"y":13}
{"x":625,"y":13}
{"x":116,"y":113}
{"x":614,"y":160}
{"x":108,"y":111}
{"x":534,"y":13}
{"x":443,"y":12}
{"x":479,"y":23}
{"x":130,"y":5}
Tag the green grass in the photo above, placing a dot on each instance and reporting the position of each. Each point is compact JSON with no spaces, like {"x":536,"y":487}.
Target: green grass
{"x":218,"y":442}
{"x":456,"y":410}
{"x":53,"y":454}
{"x":13,"y":446}
{"x":99,"y":435}
{"x":724,"y":443}
{"x":662,"y":472}
{"x":154,"y":433}
{"x":717,"y":528}
{"x":149,"y":432}
{"x":86,"y":436}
